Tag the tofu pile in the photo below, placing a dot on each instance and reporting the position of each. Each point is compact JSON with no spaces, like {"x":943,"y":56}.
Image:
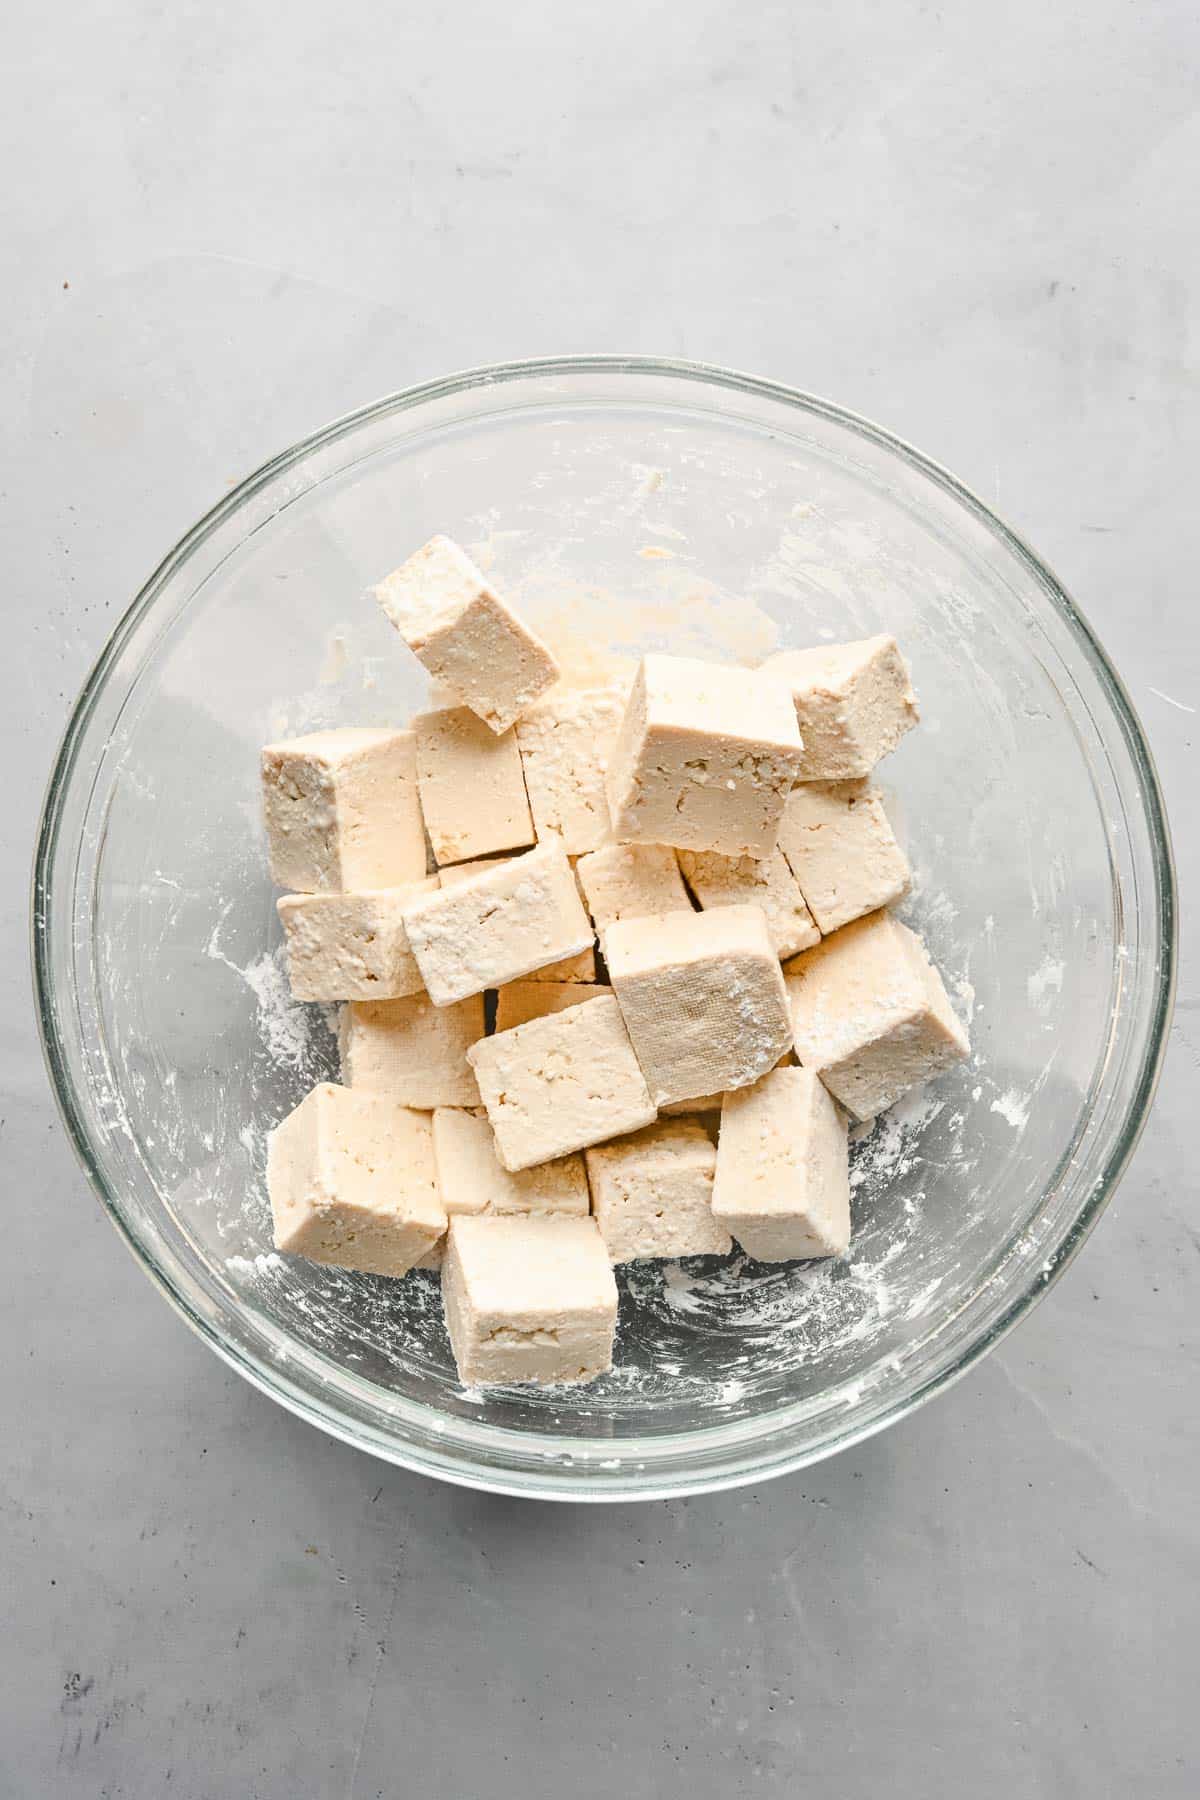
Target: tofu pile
{"x":568,"y":928}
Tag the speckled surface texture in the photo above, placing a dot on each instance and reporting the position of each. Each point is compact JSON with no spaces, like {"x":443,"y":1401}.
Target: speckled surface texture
{"x":221,"y":230}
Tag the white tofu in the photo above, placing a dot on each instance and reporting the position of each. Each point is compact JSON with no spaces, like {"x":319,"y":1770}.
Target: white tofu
{"x":652,"y":1193}
{"x":705,"y":758}
{"x":472,"y":1178}
{"x":411,"y":1050}
{"x":352,"y":1182}
{"x":783,"y":1171}
{"x":455,"y":873}
{"x":702,"y":997}
{"x":842,"y":850}
{"x":455,"y":622}
{"x":342,"y":811}
{"x":519,"y":1001}
{"x":433,"y":1258}
{"x":351,"y":946}
{"x":498,"y":925}
{"x":560,"y":1083}
{"x":566,"y":741}
{"x":718,"y":880}
{"x":528,"y":1300}
{"x":703,"y":1103}
{"x":870,"y":1014}
{"x":472,"y":788}
{"x":854,"y":702}
{"x":627,"y":881}
{"x":581,"y":968}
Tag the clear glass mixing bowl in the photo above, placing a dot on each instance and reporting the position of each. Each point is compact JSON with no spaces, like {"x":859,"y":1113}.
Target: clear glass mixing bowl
{"x":626,"y":503}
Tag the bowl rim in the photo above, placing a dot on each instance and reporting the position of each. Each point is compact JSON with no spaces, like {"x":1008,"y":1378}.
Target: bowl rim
{"x":1164,"y":917}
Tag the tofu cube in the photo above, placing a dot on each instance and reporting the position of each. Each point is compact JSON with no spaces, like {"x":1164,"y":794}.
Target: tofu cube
{"x":718,"y":880}
{"x":705,"y":758}
{"x":560,"y":1083}
{"x":783,"y":1169}
{"x":528,"y":1300}
{"x":652,"y":1193}
{"x":842,"y":850}
{"x":627,"y":881}
{"x":578,"y":968}
{"x":519,"y":1001}
{"x":456,"y":624}
{"x":472,"y":789}
{"x":455,"y":873}
{"x":854,"y":702}
{"x":870,"y":1014}
{"x":686,"y":1109}
{"x":352,"y":1182}
{"x":351,"y":946}
{"x":498,"y":925}
{"x":566,"y":741}
{"x":342,"y":811}
{"x":702,"y":997}
{"x":474,"y":1180}
{"x":411,"y":1050}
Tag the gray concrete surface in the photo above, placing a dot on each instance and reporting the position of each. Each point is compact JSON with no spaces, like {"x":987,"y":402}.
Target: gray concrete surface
{"x":222,"y":226}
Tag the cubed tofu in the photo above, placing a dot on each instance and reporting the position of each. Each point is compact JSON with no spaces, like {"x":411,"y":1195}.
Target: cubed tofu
{"x":468,"y":638}
{"x":471,"y":1178}
{"x":472,"y":788}
{"x":342,"y":811}
{"x":433,"y":1258}
{"x":519,"y":1001}
{"x":718,"y":880}
{"x":496,"y":926}
{"x":870,"y":1014}
{"x":570,"y":970}
{"x":702,"y":997}
{"x":566,"y":741}
{"x":652,"y":1193}
{"x":783,"y":1173}
{"x":560,"y":1083}
{"x":577,"y":970}
{"x":412,"y":1050}
{"x":703,"y":1103}
{"x":705,"y":757}
{"x":842,"y":850}
{"x":854,"y":702}
{"x":627,"y":881}
{"x":528,"y":1300}
{"x":459,"y":872}
{"x":352,"y":1182}
{"x":351,"y":946}
{"x":474,"y":1180}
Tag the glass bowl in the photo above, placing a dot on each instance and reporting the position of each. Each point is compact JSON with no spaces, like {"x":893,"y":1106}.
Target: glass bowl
{"x":626,"y":504}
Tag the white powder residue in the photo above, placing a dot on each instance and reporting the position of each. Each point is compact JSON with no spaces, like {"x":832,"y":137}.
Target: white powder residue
{"x":286,"y":1025}
{"x":1012,"y":1107}
{"x":263,"y":1264}
{"x":920,"y":1302}
{"x":1045,"y":980}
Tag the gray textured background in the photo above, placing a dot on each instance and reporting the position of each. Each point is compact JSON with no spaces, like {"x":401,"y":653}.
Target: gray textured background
{"x":224,"y":225}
